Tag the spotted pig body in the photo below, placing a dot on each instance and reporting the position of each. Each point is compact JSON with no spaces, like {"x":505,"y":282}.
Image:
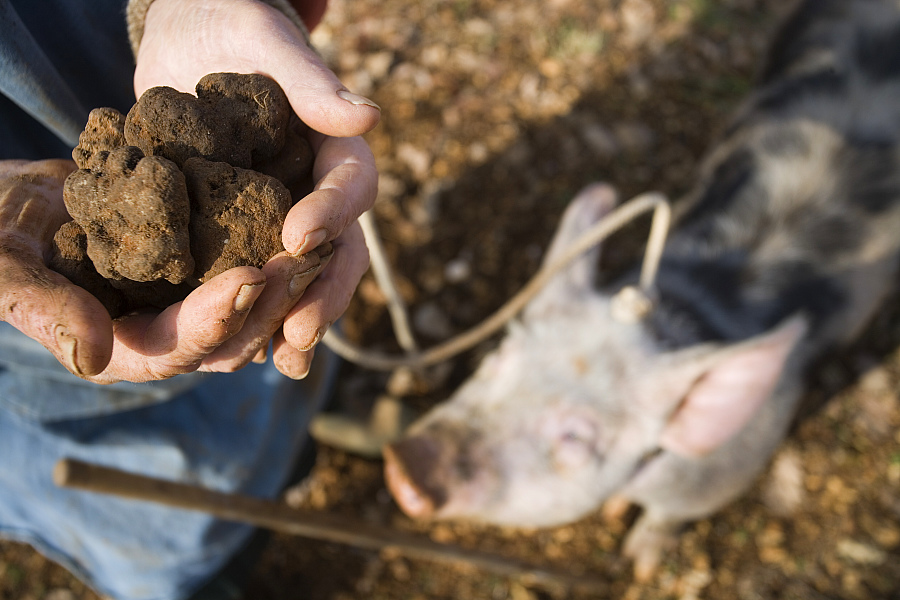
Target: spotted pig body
{"x":785,"y":249}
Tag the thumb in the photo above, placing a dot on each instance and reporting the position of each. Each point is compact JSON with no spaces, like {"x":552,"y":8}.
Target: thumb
{"x":46,"y":307}
{"x":247,"y":37}
{"x":316,"y":94}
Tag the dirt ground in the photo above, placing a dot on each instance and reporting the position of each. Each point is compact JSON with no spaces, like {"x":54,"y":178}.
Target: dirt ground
{"x":495,"y":114}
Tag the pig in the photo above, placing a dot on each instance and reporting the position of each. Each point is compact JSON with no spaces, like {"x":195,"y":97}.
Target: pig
{"x":783,"y":250}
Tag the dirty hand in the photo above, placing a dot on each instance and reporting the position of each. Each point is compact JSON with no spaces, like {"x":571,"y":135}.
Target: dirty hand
{"x":72,"y":324}
{"x":184,"y":40}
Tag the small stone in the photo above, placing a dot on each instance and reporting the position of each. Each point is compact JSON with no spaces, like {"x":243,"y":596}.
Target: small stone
{"x":519,"y":592}
{"x":600,"y":140}
{"x":442,"y":534}
{"x":379,"y":64}
{"x":888,"y":537}
{"x":694,"y":582}
{"x":783,"y":493}
{"x":431,"y":321}
{"x":399,"y":569}
{"x":457,"y":270}
{"x":860,"y":553}
{"x":478,"y":153}
{"x":634,"y":138}
{"x":772,"y":535}
{"x":851,"y":582}
{"x":564,"y":535}
{"x":417,"y":159}
{"x":772,"y":555}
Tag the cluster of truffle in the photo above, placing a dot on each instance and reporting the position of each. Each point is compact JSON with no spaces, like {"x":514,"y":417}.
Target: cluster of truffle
{"x":181,"y":189}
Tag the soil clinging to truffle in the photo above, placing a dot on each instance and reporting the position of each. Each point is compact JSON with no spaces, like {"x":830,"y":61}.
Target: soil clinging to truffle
{"x":181,"y":189}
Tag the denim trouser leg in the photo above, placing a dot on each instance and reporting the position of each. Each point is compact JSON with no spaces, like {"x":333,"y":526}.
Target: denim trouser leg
{"x":234,"y":432}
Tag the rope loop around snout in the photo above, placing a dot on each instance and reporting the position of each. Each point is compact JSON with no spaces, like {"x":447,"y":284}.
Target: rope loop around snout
{"x":630,"y":305}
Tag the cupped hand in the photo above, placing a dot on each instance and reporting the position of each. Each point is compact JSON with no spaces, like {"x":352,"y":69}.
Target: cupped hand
{"x":185,"y":40}
{"x":72,"y":324}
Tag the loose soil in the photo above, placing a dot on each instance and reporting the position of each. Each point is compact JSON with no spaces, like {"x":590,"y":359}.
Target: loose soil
{"x":495,"y":114}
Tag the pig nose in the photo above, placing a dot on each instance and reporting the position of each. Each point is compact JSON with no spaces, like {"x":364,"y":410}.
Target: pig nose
{"x":410,"y":468}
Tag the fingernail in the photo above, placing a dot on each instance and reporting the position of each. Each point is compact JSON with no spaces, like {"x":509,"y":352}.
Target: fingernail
{"x":261,"y":356}
{"x":300,"y":281}
{"x":356,"y":99}
{"x":319,"y":335}
{"x":289,"y":369}
{"x":325,"y":252}
{"x":246,"y":296}
{"x":313,"y":240}
{"x":302,"y":375}
{"x":68,"y":348}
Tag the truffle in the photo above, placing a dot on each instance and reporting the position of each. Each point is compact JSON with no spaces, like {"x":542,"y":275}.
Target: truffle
{"x":181,"y":189}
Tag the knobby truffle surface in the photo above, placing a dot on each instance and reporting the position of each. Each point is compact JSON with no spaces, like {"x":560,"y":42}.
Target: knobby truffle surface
{"x":234,"y":118}
{"x":236,"y":216}
{"x":135,"y":211}
{"x":181,"y":189}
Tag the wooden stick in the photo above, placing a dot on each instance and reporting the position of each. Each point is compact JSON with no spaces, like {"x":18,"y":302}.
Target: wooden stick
{"x":316,"y":525}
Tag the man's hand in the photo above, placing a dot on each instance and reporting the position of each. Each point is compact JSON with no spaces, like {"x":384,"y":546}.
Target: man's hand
{"x":186,"y":39}
{"x":74,"y":326}
{"x":67,"y":320}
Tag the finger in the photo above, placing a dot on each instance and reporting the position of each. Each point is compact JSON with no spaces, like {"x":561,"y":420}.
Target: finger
{"x":262,"y":356}
{"x":150,"y":347}
{"x":288,"y":360}
{"x":45,"y":306}
{"x":347,"y":183}
{"x":248,"y":37}
{"x":287,"y":277}
{"x":314,"y":91}
{"x":326,"y":299}
{"x":10,"y":166}
{"x":57,"y":168}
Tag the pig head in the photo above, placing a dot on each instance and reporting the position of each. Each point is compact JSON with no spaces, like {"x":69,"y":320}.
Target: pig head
{"x":575,"y":406}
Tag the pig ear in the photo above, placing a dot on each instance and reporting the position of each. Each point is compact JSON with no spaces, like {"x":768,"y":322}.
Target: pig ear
{"x":726,"y":388}
{"x":590,"y":205}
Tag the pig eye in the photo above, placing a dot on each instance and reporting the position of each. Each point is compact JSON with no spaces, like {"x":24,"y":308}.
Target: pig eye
{"x":575,"y":443}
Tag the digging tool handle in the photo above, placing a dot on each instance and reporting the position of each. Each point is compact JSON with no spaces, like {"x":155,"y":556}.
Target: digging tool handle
{"x":280,"y":517}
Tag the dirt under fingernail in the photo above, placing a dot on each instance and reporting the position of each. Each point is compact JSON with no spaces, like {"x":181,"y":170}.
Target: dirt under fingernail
{"x":68,"y":348}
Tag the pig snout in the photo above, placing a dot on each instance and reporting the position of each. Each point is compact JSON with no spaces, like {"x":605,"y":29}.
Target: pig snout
{"x":412,"y":471}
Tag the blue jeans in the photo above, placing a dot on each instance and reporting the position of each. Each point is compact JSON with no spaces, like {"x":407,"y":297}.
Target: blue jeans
{"x":237,"y":433}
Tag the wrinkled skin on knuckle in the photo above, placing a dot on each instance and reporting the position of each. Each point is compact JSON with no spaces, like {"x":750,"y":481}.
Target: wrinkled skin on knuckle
{"x":154,"y":371}
{"x":228,"y":365}
{"x":23,"y":270}
{"x":207,"y":337}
